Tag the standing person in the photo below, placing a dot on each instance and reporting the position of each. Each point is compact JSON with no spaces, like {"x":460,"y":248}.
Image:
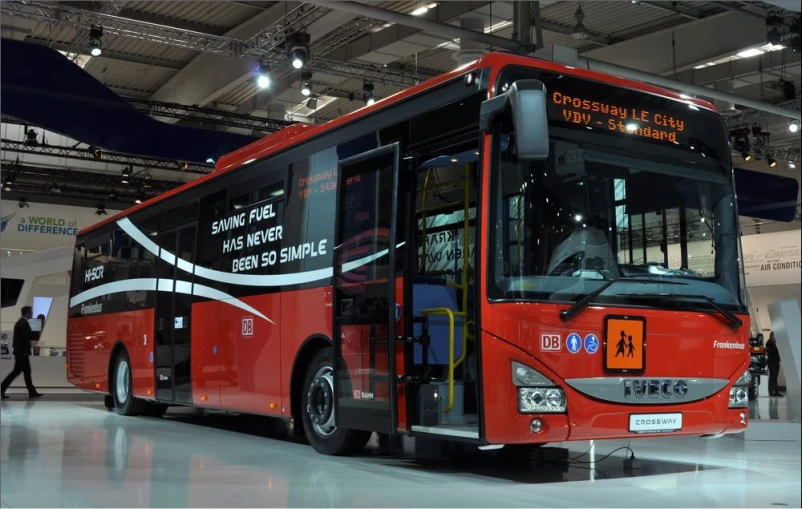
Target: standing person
{"x":22,"y":353}
{"x":774,"y":364}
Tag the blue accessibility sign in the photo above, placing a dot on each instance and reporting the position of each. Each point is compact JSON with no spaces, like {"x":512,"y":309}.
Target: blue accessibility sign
{"x":591,"y":343}
{"x":150,"y":356}
{"x":573,"y":342}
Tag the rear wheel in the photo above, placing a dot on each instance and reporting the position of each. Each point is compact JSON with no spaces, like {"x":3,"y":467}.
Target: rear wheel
{"x":122,"y":387}
{"x":317,"y":410}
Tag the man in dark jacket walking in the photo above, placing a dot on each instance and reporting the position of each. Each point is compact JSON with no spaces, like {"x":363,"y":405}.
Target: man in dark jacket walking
{"x":22,"y":353}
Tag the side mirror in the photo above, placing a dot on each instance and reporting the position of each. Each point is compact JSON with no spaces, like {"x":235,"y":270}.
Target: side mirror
{"x":527,"y":100}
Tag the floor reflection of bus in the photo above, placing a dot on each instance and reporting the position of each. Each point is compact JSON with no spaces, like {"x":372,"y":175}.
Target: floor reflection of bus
{"x":143,"y":468}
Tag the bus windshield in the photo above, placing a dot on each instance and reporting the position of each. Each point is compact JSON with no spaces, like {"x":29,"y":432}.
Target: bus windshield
{"x":605,"y":207}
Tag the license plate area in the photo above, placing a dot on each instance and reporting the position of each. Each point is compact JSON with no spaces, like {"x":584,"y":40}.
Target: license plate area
{"x":655,"y":423}
{"x":624,"y":349}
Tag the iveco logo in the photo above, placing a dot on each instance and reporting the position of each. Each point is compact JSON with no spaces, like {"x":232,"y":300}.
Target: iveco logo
{"x":655,"y":389}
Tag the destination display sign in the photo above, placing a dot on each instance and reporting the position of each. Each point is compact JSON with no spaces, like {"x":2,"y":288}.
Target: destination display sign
{"x":630,"y":118}
{"x":636,"y":121}
{"x":578,"y":103}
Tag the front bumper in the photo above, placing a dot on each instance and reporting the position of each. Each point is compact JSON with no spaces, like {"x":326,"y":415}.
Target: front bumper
{"x":586,"y":418}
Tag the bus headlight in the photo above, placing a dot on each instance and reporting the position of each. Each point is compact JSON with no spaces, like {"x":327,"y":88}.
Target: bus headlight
{"x":738,"y":397}
{"x":536,"y":393}
{"x":739,"y":392}
{"x":533,"y":400}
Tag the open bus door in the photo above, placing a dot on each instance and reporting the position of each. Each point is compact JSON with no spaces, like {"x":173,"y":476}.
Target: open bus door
{"x":368,"y":257}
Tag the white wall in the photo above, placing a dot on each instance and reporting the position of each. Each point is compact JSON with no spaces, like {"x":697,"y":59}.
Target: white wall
{"x":43,"y":226}
{"x":47,"y":232}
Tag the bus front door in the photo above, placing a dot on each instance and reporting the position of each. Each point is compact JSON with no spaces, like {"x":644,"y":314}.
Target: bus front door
{"x":367,"y":266}
{"x":173,"y":319}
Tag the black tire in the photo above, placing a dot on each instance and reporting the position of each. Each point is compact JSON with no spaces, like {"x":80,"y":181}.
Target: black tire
{"x":754,"y":387}
{"x":124,"y":401}
{"x":328,"y":440}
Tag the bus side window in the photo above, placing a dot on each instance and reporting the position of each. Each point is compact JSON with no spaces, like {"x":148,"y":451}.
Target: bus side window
{"x":308,"y":231}
{"x":209,"y":251}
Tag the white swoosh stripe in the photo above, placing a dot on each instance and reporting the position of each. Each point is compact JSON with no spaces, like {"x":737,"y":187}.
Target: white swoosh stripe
{"x":355,"y":264}
{"x":164,"y":285}
{"x":223,"y":277}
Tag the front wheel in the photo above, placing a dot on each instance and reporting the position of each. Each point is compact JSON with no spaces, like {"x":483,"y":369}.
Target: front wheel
{"x":754,"y":386}
{"x":122,"y":388}
{"x":317,"y":410}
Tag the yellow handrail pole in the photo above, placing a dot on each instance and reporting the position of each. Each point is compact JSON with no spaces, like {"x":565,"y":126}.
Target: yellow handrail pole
{"x":451,"y":362}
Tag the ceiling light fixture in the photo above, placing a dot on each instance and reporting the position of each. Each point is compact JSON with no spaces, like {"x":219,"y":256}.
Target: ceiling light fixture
{"x":771,"y":161}
{"x":263,"y":76}
{"x":96,"y":40}
{"x":297,"y":45}
{"x":367,"y":93}
{"x":794,"y":126}
{"x":579,"y":32}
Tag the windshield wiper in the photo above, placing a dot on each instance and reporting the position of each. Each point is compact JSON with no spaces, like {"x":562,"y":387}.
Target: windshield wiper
{"x":735,"y":322}
{"x":580,"y":305}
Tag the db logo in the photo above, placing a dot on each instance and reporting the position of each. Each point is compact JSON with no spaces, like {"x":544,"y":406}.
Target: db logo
{"x":357,"y":394}
{"x":247,"y":327}
{"x":550,"y":342}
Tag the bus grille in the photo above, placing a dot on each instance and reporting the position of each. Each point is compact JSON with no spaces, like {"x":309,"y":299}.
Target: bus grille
{"x":75,"y":350}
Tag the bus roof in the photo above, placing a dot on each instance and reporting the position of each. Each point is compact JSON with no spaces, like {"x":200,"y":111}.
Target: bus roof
{"x":298,"y":133}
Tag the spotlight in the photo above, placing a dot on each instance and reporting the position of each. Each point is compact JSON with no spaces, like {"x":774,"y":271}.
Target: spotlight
{"x":579,"y":32}
{"x":101,"y":210}
{"x":297,"y":46}
{"x":306,"y":89}
{"x":311,"y":103}
{"x":183,"y":166}
{"x":140,"y":198}
{"x":54,"y":189}
{"x":146,"y":184}
{"x":126,"y":175}
{"x":263,"y":77}
{"x":30,"y":137}
{"x":794,"y":126}
{"x":112,"y":194}
{"x":96,"y":41}
{"x":771,"y":161}
{"x":773,"y":37}
{"x":210,"y":160}
{"x":746,"y":156}
{"x":8,"y":182}
{"x":367,"y":93}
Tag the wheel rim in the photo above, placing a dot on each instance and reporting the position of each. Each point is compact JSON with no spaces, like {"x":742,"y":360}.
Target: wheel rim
{"x":320,"y":402}
{"x":122,"y":385}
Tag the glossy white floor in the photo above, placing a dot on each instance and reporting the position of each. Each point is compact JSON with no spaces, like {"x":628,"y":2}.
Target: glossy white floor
{"x":64,"y":454}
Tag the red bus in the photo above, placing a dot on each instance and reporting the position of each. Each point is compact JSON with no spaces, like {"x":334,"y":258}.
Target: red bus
{"x":516,"y":252}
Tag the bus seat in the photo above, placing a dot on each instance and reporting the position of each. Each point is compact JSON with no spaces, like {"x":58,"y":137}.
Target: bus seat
{"x":425,"y":296}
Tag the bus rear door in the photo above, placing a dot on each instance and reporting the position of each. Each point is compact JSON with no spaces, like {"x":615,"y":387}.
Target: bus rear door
{"x":366,"y":315}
